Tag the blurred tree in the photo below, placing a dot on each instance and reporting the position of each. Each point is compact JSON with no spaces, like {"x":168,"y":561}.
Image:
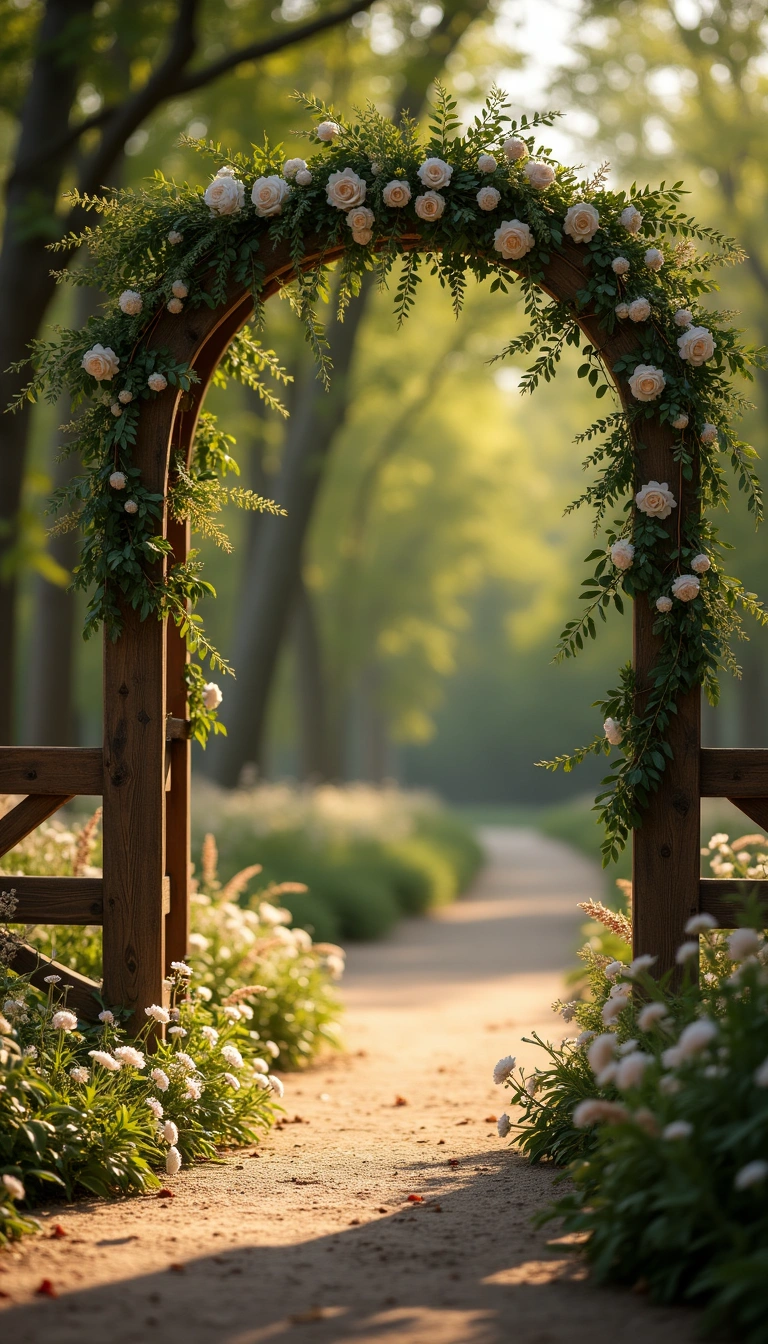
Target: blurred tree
{"x":81,"y":79}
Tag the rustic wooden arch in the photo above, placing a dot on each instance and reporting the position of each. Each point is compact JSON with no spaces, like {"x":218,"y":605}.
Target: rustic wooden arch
{"x":143,"y":770}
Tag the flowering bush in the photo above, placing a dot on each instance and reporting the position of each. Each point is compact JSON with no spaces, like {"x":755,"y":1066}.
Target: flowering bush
{"x":465,"y":205}
{"x":295,"y":1011}
{"x":660,"y":1105}
{"x":81,"y":1109}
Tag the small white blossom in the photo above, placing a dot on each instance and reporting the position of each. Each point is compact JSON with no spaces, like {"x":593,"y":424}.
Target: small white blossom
{"x":209,"y":1034}
{"x":181,"y":968}
{"x":686,"y":952}
{"x":260,"y":1066}
{"x":194,"y":1089}
{"x":106,"y":1017}
{"x":186,"y":1061}
{"x":487,"y":163}
{"x":581,"y":222}
{"x":622,"y":311}
{"x":173,"y":1161}
{"x":276,"y":1084}
{"x":503,"y":1126}
{"x":327,"y":131}
{"x":651,"y":1015}
{"x":345,"y":189}
{"x":614,"y":968}
{"x":64,"y":1021}
{"x":631,"y":218}
{"x":175,"y":306}
{"x":170,"y":1132}
{"x":639,"y":964}
{"x":14,"y":1186}
{"x":601,"y":1051}
{"x":106,"y":1060}
{"x":664,"y":603}
{"x":612,"y":1008}
{"x":101,"y":363}
{"x":669,"y":1085}
{"x":613,"y":732}
{"x":754,"y":1173}
{"x":157,"y":382}
{"x":225,"y":195}
{"x":596,"y":1112}
{"x":696,"y":1037}
{"x":268,"y":195}
{"x":503,"y":1069}
{"x":130,"y":302}
{"x":125,"y":397}
{"x":683,"y":317}
{"x":488,"y":198}
{"x":51,"y":979}
{"x":176,"y":1031}
{"x":232,"y":1081}
{"x":118,"y":480}
{"x":708,"y":433}
{"x":232,"y":1056}
{"x":639,"y":310}
{"x":647,"y":383}
{"x":696,"y":346}
{"x":159,"y":1013}
{"x":304,"y":177}
{"x":292,"y":166}
{"x":127,"y":1055}
{"x":700,"y":923}
{"x":654,"y":259}
{"x":79,"y":1074}
{"x":514,"y":149}
{"x":622,"y":553}
{"x":678,"y":1129}
{"x":680,"y":421}
{"x":174,"y":237}
{"x":130,"y":506}
{"x":540,"y":175}
{"x":160,"y":1079}
{"x":630,"y":1070}
{"x":744,"y":943}
{"x":273,"y":1049}
{"x":568,"y":1010}
{"x":620,"y":265}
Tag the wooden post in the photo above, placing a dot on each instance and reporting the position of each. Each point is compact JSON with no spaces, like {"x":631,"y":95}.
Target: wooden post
{"x":177,"y":798}
{"x":665,"y":851}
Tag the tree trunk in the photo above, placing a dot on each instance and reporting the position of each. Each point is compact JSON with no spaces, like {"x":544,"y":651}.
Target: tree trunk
{"x":314,"y":753}
{"x":26,"y":286}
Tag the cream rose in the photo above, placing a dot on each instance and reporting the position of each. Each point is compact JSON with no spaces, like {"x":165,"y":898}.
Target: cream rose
{"x":212,"y":696}
{"x":686,"y":587}
{"x":396,"y":194}
{"x":435,"y":173}
{"x":540,"y":175}
{"x":513,"y":239}
{"x":613,"y":731}
{"x":179,"y":289}
{"x":130,"y":302}
{"x":175,"y":306}
{"x":701,"y":563}
{"x":345,"y":189}
{"x":620,"y":265}
{"x":360,"y":219}
{"x":683,"y":317}
{"x":303,"y":177}
{"x":631,"y":218}
{"x":488,"y":198}
{"x":622,"y":310}
{"x":581,"y":222}
{"x":157,"y":381}
{"x":654,"y":259}
{"x":680,"y":421}
{"x":292,"y":166}
{"x":362,"y":236}
{"x":663,"y":604}
{"x":696,"y":345}
{"x":708,"y":433}
{"x":101,"y":362}
{"x":268,"y":195}
{"x":647,"y":383}
{"x":487,"y":163}
{"x":327,"y":131}
{"x":514,"y":148}
{"x":622,"y":553}
{"x":639,"y":310}
{"x":656,"y":499}
{"x":225,"y":195}
{"x":430,"y":206}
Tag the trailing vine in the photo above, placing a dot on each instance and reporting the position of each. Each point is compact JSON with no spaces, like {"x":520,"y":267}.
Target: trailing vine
{"x":474,"y":202}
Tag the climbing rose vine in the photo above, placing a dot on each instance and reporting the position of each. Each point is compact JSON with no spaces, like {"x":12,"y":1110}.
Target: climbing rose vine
{"x":469,"y":205}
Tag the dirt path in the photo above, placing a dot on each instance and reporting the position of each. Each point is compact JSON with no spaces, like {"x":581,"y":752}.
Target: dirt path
{"x":312,"y":1239}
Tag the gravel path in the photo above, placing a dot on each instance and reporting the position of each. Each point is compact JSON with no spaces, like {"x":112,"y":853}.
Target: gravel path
{"x":311,"y":1239}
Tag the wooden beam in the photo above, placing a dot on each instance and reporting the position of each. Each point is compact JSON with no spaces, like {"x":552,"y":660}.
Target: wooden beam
{"x":30,"y":813}
{"x":754,"y":808}
{"x":57,"y":900}
{"x":734,"y":772}
{"x":81,"y":997}
{"x":61,"y":770}
{"x":724,"y":898}
{"x":177,"y":730}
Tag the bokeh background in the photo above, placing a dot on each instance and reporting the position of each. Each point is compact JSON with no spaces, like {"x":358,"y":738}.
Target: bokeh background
{"x":436,"y":568}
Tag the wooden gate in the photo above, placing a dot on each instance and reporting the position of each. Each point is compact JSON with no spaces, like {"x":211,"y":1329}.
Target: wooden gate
{"x":143,"y":768}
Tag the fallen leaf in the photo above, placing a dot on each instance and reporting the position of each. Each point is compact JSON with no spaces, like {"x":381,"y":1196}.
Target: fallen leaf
{"x":46,"y":1289}
{"x":490,"y":1119}
{"x":382,"y":1210}
{"x":462,"y":1122}
{"x":415,"y":1199}
{"x":178,"y":1268}
{"x":400,"y":1101}
{"x":58,"y":1231}
{"x":354,"y":1222}
{"x":166,"y":1194}
{"x":453,"y":1161}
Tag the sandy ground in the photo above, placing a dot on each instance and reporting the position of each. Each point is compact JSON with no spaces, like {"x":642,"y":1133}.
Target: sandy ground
{"x":311,"y":1237}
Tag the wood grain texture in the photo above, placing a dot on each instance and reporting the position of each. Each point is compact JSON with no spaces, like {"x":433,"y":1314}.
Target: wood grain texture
{"x":62,"y":770}
{"x":754,"y":808}
{"x":58,"y":900}
{"x":725,"y":899}
{"x":27,"y":815}
{"x":82,"y":995}
{"x":738,"y":772}
{"x":177,"y":799}
{"x":177,"y":730}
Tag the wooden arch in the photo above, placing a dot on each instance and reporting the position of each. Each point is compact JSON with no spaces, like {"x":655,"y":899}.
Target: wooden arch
{"x":143,"y":771}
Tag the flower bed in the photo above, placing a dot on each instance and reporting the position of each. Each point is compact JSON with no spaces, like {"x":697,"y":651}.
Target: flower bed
{"x":659,"y":1107}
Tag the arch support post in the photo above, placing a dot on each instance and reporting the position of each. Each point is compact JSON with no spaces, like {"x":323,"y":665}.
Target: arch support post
{"x":665,"y":850}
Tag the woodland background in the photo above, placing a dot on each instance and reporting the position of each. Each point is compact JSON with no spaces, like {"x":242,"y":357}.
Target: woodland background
{"x":399,"y":624}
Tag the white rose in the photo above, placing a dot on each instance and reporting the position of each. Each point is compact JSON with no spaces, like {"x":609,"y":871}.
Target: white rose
{"x":268,"y":195}
{"x":362,"y":236}
{"x":513,"y":239}
{"x":125,"y":396}
{"x":514,"y":148}
{"x":488,"y":198}
{"x":654,"y":259}
{"x":174,"y":306}
{"x":680,"y":421}
{"x":622,"y":553}
{"x":701,"y":563}
{"x":686,"y":587}
{"x":581,"y":222}
{"x":622,"y":310}
{"x":656,"y":499}
{"x":118,"y":480}
{"x":360,"y":219}
{"x":683,"y":317}
{"x":225,"y":195}
{"x":179,"y":289}
{"x":663,"y":604}
{"x":696,"y":345}
{"x":540,"y":175}
{"x":430,"y":206}
{"x":631,"y":218}
{"x":708,"y":433}
{"x":131,"y":506}
{"x":487,"y":164}
{"x":130,"y":302}
{"x":647,"y":383}
{"x":327,"y":131}
{"x":157,"y":382}
{"x":620,"y":265}
{"x":212,"y":696}
{"x":613,"y":731}
{"x":101,"y":362}
{"x":303,"y":177}
{"x":396,"y":194}
{"x":435,"y":173}
{"x":292,"y":166}
{"x":345,"y":189}
{"x":639,"y":310}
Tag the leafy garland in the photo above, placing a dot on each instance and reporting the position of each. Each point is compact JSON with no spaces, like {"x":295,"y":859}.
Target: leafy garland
{"x":477,"y":200}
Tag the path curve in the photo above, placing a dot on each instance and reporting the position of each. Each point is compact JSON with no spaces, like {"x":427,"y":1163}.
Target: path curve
{"x":311,"y":1239}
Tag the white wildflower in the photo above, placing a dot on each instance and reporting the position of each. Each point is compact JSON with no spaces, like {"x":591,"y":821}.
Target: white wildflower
{"x":194,"y":1089}
{"x":601,"y":1051}
{"x":687,"y":952}
{"x":327,"y":131}
{"x":696,"y":1037}
{"x":276,"y":1084}
{"x":651,"y":1015}
{"x":209,"y":1034}
{"x":568,"y":1010}
{"x":159,"y":1013}
{"x":181,"y":968}
{"x":172,"y":1161}
{"x":654,"y":259}
{"x":678,"y":1129}
{"x":51,"y":979}
{"x":64,"y":1021}
{"x":232,"y":1056}
{"x":106,"y":1060}
{"x":596,"y":1112}
{"x":177,"y":1031}
{"x":232,"y":1081}
{"x":127,"y":1055}
{"x":14,"y":1186}
{"x":503,"y":1126}
{"x":614,"y":968}
{"x":744,"y":943}
{"x":170,"y":1132}
{"x":106,"y":1017}
{"x":754,"y":1173}
{"x":160,"y":1079}
{"x":613,"y":732}
{"x":79,"y":1074}
{"x":630,"y":1070}
{"x":503,"y":1069}
{"x":612,"y":1008}
{"x":639,"y":964}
